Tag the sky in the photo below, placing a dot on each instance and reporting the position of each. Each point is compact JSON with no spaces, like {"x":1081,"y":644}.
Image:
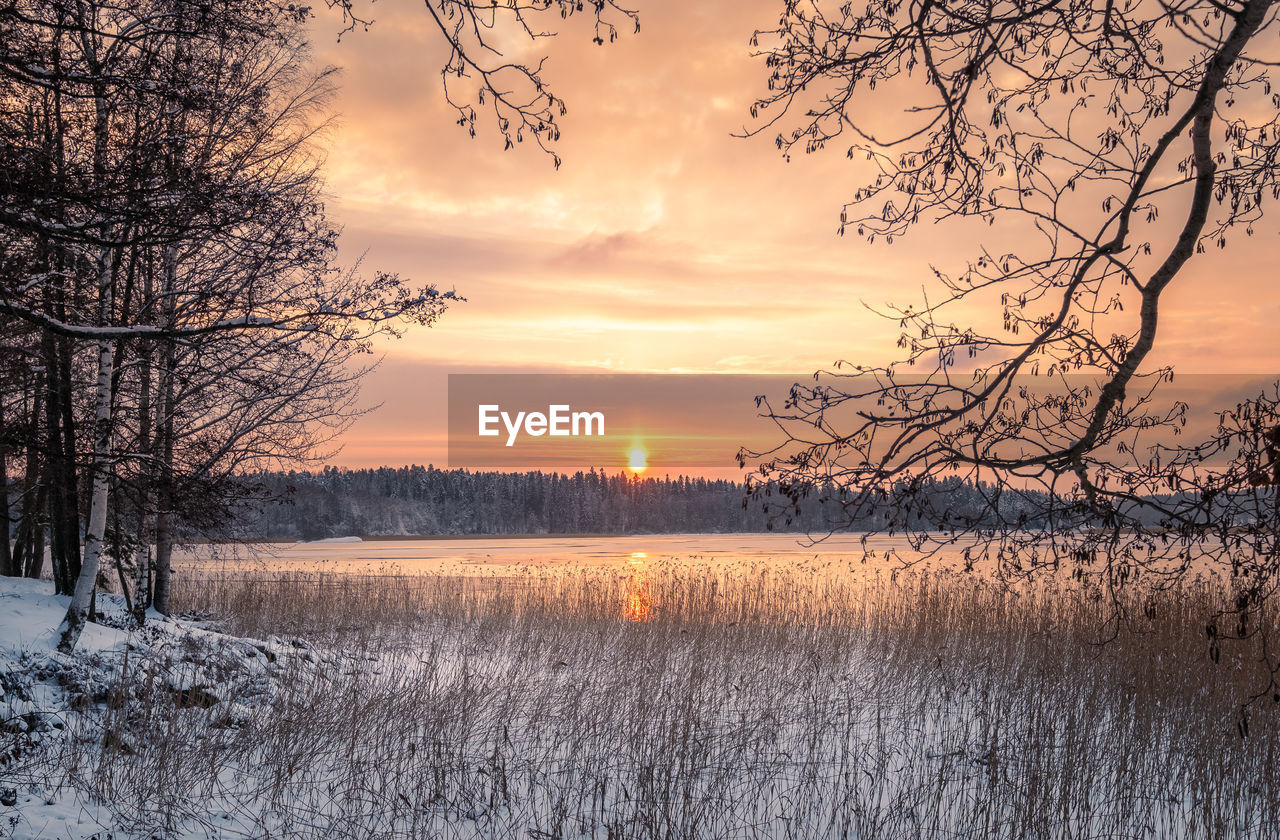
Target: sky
{"x":663,"y":243}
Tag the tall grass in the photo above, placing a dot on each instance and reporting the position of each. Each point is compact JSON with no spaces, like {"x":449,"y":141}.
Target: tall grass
{"x":665,"y":701}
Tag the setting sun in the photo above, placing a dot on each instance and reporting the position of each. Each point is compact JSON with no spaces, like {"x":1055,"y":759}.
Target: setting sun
{"x":638,"y":459}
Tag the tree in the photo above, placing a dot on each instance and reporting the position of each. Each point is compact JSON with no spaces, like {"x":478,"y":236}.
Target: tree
{"x":164,"y":237}
{"x":184,"y":226}
{"x":1108,"y":143}
{"x":478,"y":78}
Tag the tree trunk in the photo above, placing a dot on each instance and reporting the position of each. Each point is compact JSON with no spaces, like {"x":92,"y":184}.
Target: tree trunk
{"x":61,"y":487}
{"x":7,"y":566}
{"x":70,"y":486}
{"x":100,"y":467}
{"x":164,"y":494}
{"x":29,"y":552}
{"x":56,"y":467}
{"x":164,"y":446}
{"x":78,"y":611}
{"x":146,"y":447}
{"x":164,"y":556}
{"x":7,"y":562}
{"x":35,"y":558}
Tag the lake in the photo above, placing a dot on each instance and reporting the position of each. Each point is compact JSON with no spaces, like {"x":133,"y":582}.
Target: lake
{"x":500,"y":555}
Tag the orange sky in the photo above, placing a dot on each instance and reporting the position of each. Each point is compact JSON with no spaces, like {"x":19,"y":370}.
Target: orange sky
{"x":662,"y":243}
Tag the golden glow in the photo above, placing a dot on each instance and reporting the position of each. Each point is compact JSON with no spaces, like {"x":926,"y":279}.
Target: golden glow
{"x":638,"y":459}
{"x":669,"y":263}
{"x":638,"y":608}
{"x":639,"y":604}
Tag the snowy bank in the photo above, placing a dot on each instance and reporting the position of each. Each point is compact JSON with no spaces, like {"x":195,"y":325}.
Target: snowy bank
{"x":53,"y":705}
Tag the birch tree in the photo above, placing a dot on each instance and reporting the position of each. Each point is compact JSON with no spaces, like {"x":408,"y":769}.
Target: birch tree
{"x":141,"y":83}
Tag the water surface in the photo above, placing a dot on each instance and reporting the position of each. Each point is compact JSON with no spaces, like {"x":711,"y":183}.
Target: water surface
{"x":472,"y":555}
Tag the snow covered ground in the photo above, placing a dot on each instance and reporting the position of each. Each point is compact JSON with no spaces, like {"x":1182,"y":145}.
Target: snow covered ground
{"x":924,"y":708}
{"x":54,"y":705}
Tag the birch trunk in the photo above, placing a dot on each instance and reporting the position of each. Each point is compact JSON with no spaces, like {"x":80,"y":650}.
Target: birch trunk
{"x":164,"y":442}
{"x":78,"y":611}
{"x":100,"y":468}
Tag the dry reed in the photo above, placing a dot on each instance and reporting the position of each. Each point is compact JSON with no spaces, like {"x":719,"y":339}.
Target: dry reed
{"x":668,"y":701}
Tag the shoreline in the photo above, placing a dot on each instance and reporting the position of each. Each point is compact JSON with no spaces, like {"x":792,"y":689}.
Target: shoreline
{"x":477,"y":537}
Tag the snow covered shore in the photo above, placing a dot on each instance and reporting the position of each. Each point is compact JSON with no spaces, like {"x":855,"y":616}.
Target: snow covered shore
{"x":54,"y":705}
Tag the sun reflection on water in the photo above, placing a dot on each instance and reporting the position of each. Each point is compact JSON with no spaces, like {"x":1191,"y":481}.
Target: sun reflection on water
{"x":638,"y":605}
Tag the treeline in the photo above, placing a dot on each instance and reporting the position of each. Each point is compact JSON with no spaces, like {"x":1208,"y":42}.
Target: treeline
{"x":417,"y":500}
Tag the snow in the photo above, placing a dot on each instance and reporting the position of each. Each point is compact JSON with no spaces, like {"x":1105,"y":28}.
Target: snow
{"x":30,"y":613}
{"x":53,"y":703}
{"x":34,"y":705}
{"x":483,"y":726}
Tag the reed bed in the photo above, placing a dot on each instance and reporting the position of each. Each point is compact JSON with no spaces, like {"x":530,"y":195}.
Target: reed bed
{"x":664,"y":700}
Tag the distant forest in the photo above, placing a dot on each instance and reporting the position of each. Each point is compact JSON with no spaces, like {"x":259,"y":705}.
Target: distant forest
{"x":416,"y":500}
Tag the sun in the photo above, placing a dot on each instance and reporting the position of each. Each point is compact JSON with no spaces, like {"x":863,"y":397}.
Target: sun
{"x":638,"y":459}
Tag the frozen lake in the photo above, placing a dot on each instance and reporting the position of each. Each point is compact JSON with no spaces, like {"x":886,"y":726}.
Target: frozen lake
{"x":497,"y":555}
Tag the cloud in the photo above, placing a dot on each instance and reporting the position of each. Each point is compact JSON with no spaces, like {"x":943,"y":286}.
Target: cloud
{"x":596,"y":250}
{"x":663,"y":242}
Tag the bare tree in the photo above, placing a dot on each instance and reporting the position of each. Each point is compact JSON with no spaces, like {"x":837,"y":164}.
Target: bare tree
{"x":183,"y":131}
{"x":478,"y":78}
{"x":1106,"y":145}
{"x":165,"y":238}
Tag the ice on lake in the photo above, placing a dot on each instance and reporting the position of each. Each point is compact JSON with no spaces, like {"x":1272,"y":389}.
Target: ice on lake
{"x":468,"y":555}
